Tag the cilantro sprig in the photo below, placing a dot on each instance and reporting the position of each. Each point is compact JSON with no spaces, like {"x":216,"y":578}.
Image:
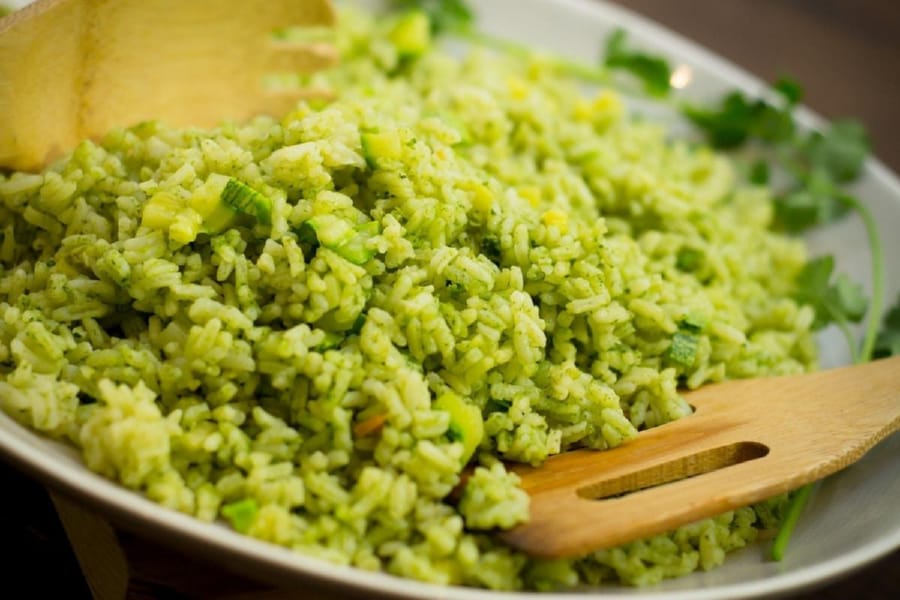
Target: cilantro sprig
{"x":653,"y":71}
{"x":739,"y":118}
{"x":840,"y":301}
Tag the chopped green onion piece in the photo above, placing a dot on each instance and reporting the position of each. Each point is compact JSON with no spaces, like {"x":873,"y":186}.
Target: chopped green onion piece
{"x":241,"y":514}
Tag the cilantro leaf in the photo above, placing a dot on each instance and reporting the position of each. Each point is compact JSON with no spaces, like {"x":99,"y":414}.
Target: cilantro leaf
{"x":740,"y":118}
{"x":653,"y":71}
{"x":815,"y":200}
{"x":790,"y":89}
{"x":888,"y":342}
{"x":837,"y":302}
{"x":840,"y":151}
{"x":444,"y":15}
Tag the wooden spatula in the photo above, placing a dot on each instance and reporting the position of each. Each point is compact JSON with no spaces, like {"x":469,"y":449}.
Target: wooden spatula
{"x":747,"y":440}
{"x":73,"y":69}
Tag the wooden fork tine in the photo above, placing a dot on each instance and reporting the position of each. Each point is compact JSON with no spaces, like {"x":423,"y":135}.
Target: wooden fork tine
{"x":564,"y":524}
{"x":732,"y":452}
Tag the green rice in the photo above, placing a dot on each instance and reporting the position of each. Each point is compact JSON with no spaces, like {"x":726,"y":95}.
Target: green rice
{"x":475,"y":229}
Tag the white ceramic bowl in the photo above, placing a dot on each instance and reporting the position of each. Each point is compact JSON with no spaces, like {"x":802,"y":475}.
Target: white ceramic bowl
{"x":853,"y":519}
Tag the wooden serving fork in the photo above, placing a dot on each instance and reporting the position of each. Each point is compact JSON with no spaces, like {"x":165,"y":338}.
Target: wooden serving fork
{"x":73,"y":69}
{"x":747,"y":440}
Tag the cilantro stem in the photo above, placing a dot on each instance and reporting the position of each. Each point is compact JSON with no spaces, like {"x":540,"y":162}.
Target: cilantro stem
{"x":798,"y":502}
{"x":860,"y":355}
{"x":876,"y":310}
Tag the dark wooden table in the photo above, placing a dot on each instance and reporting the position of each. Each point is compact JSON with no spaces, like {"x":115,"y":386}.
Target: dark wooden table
{"x":846,"y":52}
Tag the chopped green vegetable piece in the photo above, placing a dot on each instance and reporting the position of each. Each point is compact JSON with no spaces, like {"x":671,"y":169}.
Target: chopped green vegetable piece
{"x":378,"y":146}
{"x":339,"y":236}
{"x":411,"y":35}
{"x":683,"y":349}
{"x":331,"y":231}
{"x":356,"y":249}
{"x":243,"y":199}
{"x":653,"y":71}
{"x":241,"y":514}
{"x":466,"y":425}
{"x":443,"y":15}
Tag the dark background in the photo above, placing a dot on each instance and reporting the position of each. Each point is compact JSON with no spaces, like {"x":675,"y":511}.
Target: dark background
{"x":847,"y":55}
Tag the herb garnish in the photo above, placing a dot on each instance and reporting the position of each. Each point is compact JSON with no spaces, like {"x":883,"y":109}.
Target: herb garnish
{"x":652,"y":70}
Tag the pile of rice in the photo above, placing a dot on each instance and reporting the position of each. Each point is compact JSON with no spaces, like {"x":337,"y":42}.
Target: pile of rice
{"x":536,"y":253}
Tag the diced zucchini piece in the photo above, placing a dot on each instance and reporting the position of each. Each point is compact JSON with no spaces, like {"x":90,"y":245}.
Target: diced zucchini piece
{"x":356,"y":249}
{"x":241,"y":514}
{"x":466,"y":424}
{"x":338,"y":235}
{"x":207,"y":201}
{"x":185,"y":227}
{"x":411,"y":35}
{"x":331,"y":231}
{"x":243,"y":199}
{"x":378,"y":146}
{"x":161,"y":210}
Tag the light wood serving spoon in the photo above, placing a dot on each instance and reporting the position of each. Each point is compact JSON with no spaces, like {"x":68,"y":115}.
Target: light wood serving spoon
{"x":74,"y":69}
{"x":747,"y":440}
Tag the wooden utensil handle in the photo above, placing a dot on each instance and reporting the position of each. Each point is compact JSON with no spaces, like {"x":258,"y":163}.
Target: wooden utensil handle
{"x":44,"y":67}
